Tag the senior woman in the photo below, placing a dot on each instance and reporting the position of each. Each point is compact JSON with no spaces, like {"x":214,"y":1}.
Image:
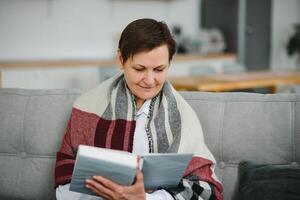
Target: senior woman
{"x":140,"y":112}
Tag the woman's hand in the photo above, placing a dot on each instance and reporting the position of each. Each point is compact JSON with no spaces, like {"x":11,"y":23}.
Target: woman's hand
{"x":113,"y":191}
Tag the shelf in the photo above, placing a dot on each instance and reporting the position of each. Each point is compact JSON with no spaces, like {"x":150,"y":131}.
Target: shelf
{"x":16,"y":64}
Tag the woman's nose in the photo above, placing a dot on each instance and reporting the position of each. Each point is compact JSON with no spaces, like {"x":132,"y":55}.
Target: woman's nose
{"x":149,"y":78}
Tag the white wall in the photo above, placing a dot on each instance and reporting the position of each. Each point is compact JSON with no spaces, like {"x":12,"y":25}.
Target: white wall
{"x":83,"y":78}
{"x":54,"y":29}
{"x":285,"y":14}
{"x":45,"y":29}
{"x":70,"y":29}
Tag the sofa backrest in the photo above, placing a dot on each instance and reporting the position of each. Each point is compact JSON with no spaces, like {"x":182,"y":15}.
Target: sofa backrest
{"x":32,"y":124}
{"x":264,"y":128}
{"x":236,"y":126}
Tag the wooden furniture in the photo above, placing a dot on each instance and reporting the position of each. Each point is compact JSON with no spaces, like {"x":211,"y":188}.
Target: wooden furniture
{"x":101,"y":62}
{"x":231,"y":82}
{"x":180,"y":61}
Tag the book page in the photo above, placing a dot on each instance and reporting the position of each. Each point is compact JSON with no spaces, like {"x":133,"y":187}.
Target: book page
{"x":164,"y":170}
{"x":111,"y":155}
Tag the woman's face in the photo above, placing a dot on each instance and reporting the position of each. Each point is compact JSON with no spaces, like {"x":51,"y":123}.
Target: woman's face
{"x":146,"y":72}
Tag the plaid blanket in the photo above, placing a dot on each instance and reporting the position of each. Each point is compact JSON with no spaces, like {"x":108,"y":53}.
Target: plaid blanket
{"x":104,"y":117}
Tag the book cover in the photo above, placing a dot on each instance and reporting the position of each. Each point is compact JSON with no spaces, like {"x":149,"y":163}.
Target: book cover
{"x":160,"y":170}
{"x":164,"y":170}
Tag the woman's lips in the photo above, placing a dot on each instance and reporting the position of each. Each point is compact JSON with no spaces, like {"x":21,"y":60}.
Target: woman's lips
{"x":146,"y":88}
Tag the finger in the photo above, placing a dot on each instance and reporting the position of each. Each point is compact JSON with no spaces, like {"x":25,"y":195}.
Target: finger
{"x":99,"y":188}
{"x":139,"y":176}
{"x":139,"y":180}
{"x":138,"y":160}
{"x":106,"y":183}
{"x":97,"y":192}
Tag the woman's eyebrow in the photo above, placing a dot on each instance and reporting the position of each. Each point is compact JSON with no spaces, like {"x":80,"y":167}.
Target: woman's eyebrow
{"x":161,"y":66}
{"x":140,"y":65}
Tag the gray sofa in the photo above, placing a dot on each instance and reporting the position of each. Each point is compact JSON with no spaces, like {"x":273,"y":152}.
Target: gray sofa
{"x":237,"y":126}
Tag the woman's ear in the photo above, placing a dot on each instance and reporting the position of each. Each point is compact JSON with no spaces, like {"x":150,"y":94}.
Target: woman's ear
{"x":120,"y":60}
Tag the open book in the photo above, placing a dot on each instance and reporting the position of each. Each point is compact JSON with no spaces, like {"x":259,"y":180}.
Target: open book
{"x":161,"y":170}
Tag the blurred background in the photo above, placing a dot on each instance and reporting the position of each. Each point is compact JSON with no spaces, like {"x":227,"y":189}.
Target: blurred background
{"x":73,"y":43}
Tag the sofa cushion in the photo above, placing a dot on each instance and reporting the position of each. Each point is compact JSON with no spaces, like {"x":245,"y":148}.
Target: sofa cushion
{"x":268,"y":181}
{"x":32,"y":126}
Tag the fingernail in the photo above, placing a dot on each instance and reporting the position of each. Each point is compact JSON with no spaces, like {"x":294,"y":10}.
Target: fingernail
{"x":96,"y":177}
{"x":87,"y":186}
{"x":87,"y":181}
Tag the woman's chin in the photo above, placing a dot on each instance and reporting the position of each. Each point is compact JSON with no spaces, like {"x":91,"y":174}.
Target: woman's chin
{"x":145,"y":95}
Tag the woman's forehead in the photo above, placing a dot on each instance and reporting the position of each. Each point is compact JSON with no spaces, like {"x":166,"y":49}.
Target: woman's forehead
{"x":155,"y":57}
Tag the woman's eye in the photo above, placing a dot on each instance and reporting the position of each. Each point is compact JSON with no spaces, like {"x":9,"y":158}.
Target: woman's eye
{"x":139,"y":69}
{"x":158,"y":70}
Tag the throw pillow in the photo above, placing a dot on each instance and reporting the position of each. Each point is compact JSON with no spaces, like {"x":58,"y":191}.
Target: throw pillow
{"x":268,"y":182}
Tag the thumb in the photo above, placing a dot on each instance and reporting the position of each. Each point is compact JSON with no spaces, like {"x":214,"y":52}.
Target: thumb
{"x":139,"y":178}
{"x":138,"y":158}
